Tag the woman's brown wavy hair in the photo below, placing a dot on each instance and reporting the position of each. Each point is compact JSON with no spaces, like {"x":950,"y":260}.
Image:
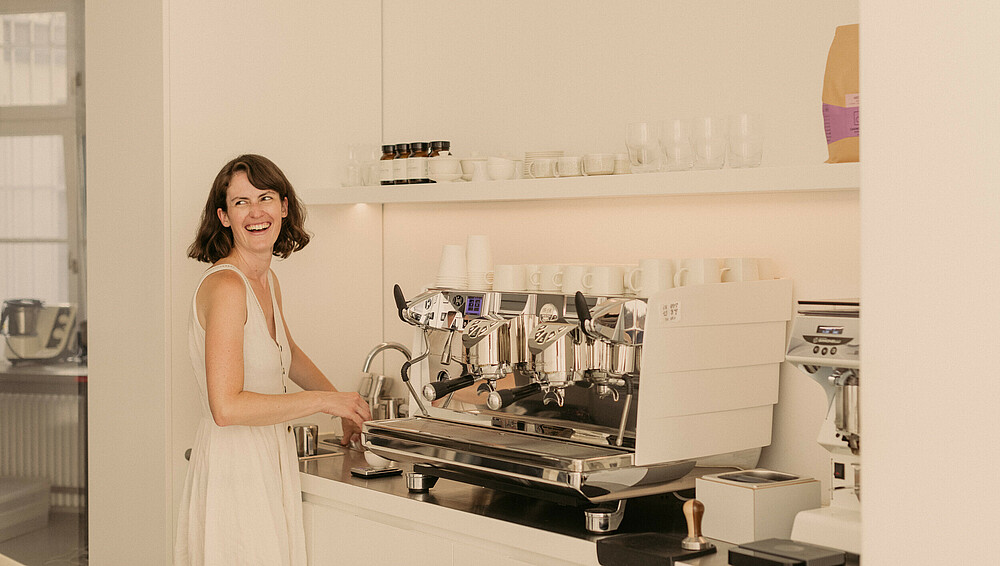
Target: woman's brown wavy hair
{"x":214,"y":241}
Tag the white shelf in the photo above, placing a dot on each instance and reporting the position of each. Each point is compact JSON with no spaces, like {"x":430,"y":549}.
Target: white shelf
{"x":820,"y":177}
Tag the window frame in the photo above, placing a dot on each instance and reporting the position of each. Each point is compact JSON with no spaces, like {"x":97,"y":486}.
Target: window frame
{"x":66,"y":120}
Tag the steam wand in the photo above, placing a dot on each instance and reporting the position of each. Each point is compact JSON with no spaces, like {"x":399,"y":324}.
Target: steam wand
{"x":404,"y":371}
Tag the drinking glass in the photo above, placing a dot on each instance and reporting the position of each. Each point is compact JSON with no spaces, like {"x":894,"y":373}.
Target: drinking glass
{"x":746,"y":142}
{"x":709,"y":140}
{"x":352,"y":171}
{"x":675,"y":141}
{"x":643,"y":147}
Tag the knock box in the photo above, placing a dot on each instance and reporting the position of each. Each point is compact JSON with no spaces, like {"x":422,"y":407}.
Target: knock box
{"x":751,"y":505}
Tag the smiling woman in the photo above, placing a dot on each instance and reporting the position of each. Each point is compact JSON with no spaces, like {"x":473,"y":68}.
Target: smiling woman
{"x":242,"y":500}
{"x":215,"y":241}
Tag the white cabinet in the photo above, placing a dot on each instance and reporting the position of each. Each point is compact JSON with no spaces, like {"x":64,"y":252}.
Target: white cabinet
{"x":336,"y":536}
{"x":347,"y":524}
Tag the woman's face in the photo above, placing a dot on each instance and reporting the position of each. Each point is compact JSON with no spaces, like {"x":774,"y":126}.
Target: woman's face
{"x":253,"y":215}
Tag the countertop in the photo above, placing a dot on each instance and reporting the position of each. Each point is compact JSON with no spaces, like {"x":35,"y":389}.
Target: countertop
{"x":660,"y":513}
{"x":33,"y":377}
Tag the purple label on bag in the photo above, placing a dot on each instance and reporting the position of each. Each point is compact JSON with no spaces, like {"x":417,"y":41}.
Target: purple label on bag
{"x":840,"y":122}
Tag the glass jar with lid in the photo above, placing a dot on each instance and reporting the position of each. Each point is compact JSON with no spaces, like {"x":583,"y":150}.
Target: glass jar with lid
{"x":416,"y":163}
{"x":400,"y":174}
{"x":386,"y":173}
{"x":440,"y":148}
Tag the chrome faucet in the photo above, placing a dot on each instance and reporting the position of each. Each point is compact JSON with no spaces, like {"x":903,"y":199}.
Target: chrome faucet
{"x":383,"y":347}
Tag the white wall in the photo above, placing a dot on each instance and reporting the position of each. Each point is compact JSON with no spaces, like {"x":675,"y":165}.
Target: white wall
{"x":295,"y":86}
{"x":930,"y":210}
{"x":176,"y":90}
{"x":298,"y":83}
{"x":523,"y":75}
{"x":128,"y":233}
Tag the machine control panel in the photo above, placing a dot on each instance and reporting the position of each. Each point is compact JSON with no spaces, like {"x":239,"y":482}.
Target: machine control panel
{"x":825,"y":334}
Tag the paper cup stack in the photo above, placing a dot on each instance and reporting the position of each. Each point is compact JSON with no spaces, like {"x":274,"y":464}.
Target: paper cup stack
{"x":479,"y":262}
{"x":452,"y":272}
{"x":468,"y":266}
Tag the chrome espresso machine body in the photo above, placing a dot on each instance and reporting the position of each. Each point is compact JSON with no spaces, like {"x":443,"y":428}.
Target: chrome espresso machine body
{"x":551,"y":389}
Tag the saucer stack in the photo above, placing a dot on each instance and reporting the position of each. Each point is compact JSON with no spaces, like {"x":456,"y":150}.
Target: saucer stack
{"x":530,"y":156}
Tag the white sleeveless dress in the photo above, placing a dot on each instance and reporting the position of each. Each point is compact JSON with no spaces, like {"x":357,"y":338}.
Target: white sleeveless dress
{"x":242,"y":499}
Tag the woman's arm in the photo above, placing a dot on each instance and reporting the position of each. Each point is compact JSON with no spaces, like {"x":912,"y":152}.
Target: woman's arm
{"x":308,"y":376}
{"x":221,"y":302}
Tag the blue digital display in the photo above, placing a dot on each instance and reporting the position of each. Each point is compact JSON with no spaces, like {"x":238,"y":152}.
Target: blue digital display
{"x":474,"y":306}
{"x":829,"y":330}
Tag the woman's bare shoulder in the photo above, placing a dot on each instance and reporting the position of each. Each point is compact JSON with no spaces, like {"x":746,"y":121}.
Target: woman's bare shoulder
{"x":224,"y":286}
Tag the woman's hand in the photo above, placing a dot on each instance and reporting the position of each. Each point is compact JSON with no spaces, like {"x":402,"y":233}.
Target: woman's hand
{"x":352,"y":433}
{"x":351,"y":407}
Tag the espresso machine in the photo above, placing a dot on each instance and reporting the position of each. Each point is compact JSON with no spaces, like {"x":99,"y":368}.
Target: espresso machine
{"x":550,"y":389}
{"x":824,"y":343}
{"x":36,"y":332}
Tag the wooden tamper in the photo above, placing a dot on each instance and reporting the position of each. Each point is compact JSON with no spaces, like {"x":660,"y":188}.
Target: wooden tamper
{"x":694,"y":510}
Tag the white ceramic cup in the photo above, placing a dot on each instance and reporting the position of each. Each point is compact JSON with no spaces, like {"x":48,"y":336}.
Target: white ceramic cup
{"x":444,"y":165}
{"x":741,"y":269}
{"x":500,"y":168}
{"x":478,"y":257}
{"x":508,"y":277}
{"x":532,"y":276}
{"x":453,"y":263}
{"x":469,"y":166}
{"x":651,"y":276}
{"x":568,"y":166}
{"x":549,"y":277}
{"x":607,"y":280}
{"x":480,"y":171}
{"x":698,"y":271}
{"x":576,"y":278}
{"x":542,"y":168}
{"x":598,"y":164}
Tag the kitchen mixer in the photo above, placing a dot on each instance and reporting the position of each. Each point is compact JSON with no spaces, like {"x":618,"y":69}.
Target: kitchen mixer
{"x":562,"y":417}
{"x":825,"y":343}
{"x":36,"y":332}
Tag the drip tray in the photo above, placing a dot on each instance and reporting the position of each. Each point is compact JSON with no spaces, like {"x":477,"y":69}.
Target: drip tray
{"x":593,"y":472}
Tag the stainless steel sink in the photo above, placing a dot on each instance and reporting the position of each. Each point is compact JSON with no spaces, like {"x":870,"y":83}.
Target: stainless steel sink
{"x":325,"y":451}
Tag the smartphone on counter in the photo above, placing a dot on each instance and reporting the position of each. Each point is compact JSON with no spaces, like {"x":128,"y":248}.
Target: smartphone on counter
{"x":369,"y":472}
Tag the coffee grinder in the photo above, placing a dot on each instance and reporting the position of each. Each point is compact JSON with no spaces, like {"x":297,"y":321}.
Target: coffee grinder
{"x":824,"y":343}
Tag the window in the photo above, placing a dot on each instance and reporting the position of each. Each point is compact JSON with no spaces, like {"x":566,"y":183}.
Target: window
{"x":42,"y":232}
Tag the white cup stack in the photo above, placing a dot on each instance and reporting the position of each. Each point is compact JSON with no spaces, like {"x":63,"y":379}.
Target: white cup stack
{"x":452,"y":271}
{"x":479,"y":263}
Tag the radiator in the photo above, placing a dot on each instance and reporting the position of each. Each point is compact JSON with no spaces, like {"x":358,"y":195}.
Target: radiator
{"x":40,"y":438}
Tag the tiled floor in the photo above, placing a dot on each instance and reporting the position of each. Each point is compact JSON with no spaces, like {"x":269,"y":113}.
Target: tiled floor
{"x":59,"y":544}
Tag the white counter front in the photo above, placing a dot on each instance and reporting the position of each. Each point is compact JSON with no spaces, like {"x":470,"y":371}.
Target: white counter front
{"x":378,"y":521}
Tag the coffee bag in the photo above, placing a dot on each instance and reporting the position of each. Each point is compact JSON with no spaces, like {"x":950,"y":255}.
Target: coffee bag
{"x":841,"y":103}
